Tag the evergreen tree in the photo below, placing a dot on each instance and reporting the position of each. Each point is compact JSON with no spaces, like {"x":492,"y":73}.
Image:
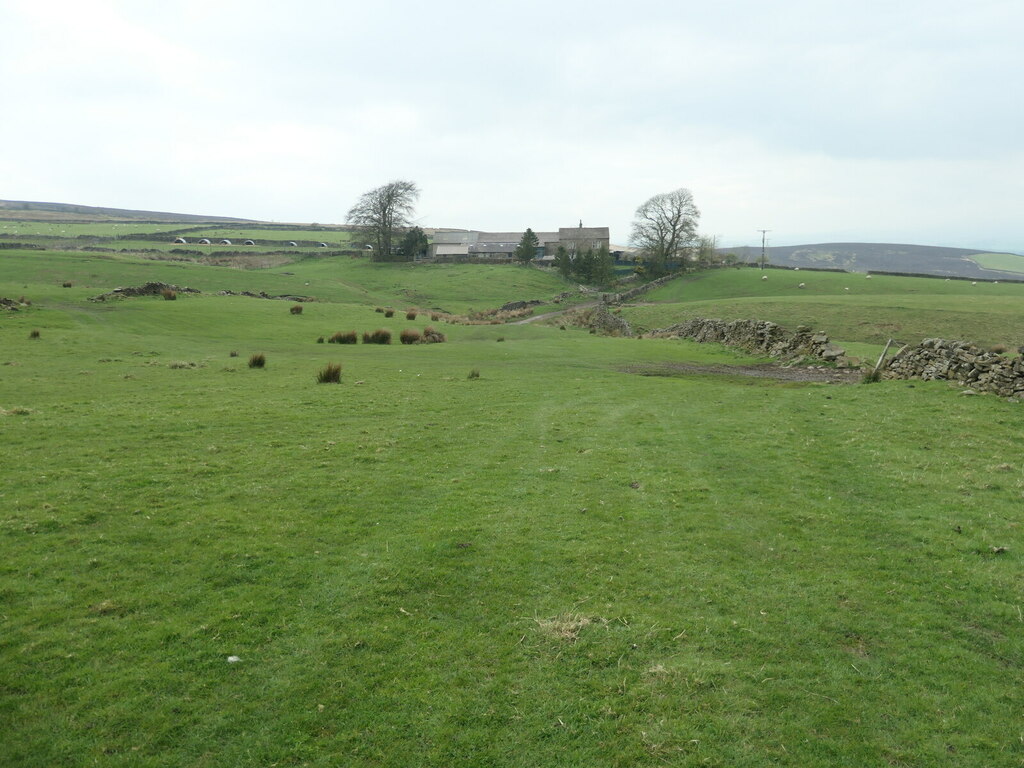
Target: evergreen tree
{"x":527,"y":248}
{"x":414,"y":243}
{"x":562,"y":262}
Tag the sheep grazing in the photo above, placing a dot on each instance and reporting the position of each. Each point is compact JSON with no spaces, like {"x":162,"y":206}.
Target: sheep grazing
{"x":973,"y":283}
{"x":802,"y":285}
{"x":846,"y":289}
{"x":796,"y":269}
{"x":764,"y":277}
{"x":867,"y":277}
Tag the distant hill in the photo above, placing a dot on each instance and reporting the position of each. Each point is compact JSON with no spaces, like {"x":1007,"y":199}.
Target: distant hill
{"x":884,"y":257}
{"x":24,"y":209}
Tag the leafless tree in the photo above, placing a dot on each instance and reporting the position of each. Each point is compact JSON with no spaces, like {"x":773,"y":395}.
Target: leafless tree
{"x":382,"y":213}
{"x":665,"y":229}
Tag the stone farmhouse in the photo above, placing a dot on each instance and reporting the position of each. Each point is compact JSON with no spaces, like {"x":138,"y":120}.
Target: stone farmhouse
{"x":496,"y":247}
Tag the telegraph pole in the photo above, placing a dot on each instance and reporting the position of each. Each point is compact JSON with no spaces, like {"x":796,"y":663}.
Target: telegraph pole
{"x":764,"y":255}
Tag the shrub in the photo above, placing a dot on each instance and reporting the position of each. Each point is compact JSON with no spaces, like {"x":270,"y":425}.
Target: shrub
{"x":474,"y":374}
{"x":320,"y":340}
{"x":389,"y":313}
{"x":330,"y":375}
{"x":344,"y":337}
{"x":233,"y":353}
{"x":65,"y":285}
{"x":259,"y":360}
{"x":168,"y":294}
{"x":379,"y":309}
{"x":410,"y":315}
{"x":501,"y":338}
{"x":872,"y":376}
{"x":434,"y":316}
{"x":410,"y":336}
{"x":431,"y":336}
{"x":34,"y":334}
{"x":561,"y":327}
{"x":367,"y":337}
{"x":295,"y":309}
{"x":380,"y":336}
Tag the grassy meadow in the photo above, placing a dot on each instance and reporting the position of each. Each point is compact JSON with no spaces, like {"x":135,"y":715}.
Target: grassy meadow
{"x":572,"y":559}
{"x":851,"y":308}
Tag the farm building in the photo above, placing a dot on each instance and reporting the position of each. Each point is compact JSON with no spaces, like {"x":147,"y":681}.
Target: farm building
{"x":473,"y":245}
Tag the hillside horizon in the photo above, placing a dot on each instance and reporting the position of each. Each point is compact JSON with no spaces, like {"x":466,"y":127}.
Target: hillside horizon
{"x":905,"y":258}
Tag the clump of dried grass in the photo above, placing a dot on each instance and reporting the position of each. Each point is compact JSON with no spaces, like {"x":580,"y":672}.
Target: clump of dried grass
{"x":566,"y":627}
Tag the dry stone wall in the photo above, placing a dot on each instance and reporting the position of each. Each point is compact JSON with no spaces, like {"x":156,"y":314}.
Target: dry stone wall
{"x":757,"y":336}
{"x":632,"y":293}
{"x":962,"y":363}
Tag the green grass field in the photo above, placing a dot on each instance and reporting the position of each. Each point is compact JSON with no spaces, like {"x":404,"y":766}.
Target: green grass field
{"x":1006,"y":262}
{"x":560,"y":562}
{"x":849,"y":307}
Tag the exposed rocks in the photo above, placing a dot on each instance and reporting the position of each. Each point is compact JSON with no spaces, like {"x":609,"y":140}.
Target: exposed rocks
{"x":599,"y":320}
{"x":961,"y":362}
{"x":757,"y":336}
{"x":263,"y":295}
{"x":11,"y":305}
{"x":514,"y":305}
{"x":149,"y":289}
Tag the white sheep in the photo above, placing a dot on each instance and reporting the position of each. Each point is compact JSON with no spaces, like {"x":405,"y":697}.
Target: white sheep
{"x":973,"y":283}
{"x":867,"y":277}
{"x":846,"y":289}
{"x":764,"y":277}
{"x":802,"y":285}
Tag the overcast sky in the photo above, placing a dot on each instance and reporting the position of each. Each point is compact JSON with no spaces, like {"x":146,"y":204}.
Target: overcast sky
{"x":821,"y":121}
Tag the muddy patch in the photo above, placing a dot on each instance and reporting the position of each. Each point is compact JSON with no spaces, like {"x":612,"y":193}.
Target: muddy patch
{"x":762,"y":371}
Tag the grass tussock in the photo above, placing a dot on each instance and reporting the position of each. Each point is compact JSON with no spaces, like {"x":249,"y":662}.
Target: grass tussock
{"x":871,"y":377}
{"x":65,"y":284}
{"x":331,"y":374}
{"x":410,"y":336}
{"x":24,"y":302}
{"x":999,"y":349}
{"x":34,"y":333}
{"x":380,"y":336}
{"x":389,"y":313}
{"x":344,"y":337}
{"x":180,"y":364}
{"x":258,"y":360}
{"x":295,"y":309}
{"x":434,"y":317}
{"x":233,"y":353}
{"x":16,"y":411}
{"x":410,"y":314}
{"x":379,"y":309}
{"x":474,"y":374}
{"x":566,"y":627}
{"x":169,"y":294}
{"x":432,"y":336}
{"x":319,"y":339}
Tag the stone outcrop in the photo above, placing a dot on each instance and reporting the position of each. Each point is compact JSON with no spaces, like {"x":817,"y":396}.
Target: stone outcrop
{"x":599,"y":320}
{"x":960,"y":362}
{"x":148,"y":289}
{"x":759,"y":336}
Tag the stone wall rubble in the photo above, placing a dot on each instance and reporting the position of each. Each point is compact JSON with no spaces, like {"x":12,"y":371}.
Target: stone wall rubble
{"x":759,"y":336}
{"x":961,"y":362}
